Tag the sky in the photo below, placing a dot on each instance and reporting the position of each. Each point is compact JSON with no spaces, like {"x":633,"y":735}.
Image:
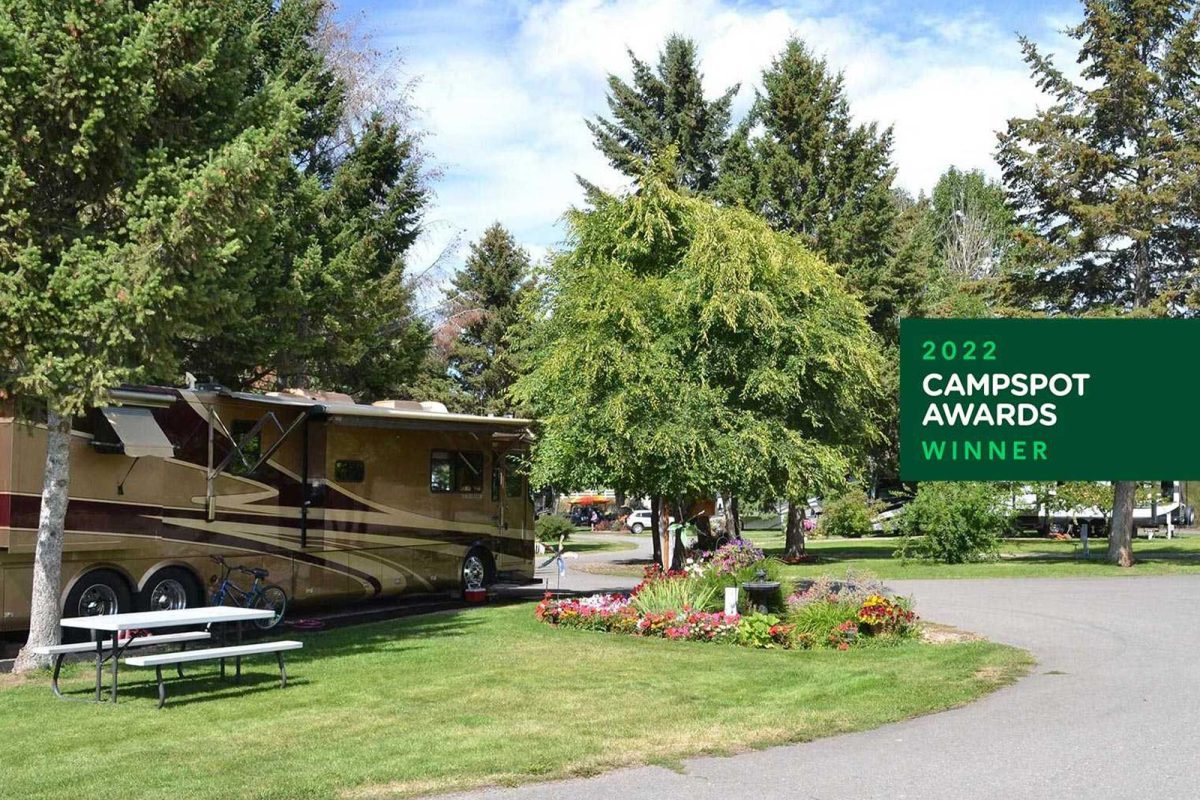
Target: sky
{"x":501,"y":90}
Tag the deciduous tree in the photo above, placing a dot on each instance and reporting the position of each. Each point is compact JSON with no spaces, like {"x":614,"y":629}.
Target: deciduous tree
{"x":682,"y":349}
{"x":973,"y":225}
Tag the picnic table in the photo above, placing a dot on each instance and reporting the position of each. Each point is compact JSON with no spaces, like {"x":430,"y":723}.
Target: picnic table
{"x":150,"y":620}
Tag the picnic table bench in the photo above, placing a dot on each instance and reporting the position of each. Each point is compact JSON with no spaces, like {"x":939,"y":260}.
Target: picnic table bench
{"x":133,"y":626}
{"x":159,"y":660}
{"x":61,"y":651}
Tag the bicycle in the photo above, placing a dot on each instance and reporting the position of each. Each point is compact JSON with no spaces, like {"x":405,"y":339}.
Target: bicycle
{"x":269,"y":596}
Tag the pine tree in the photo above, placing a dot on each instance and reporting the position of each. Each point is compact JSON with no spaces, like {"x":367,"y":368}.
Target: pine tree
{"x":483,"y":303}
{"x":665,"y":106}
{"x":801,"y":162}
{"x":141,"y":149}
{"x":332,"y":306}
{"x":1105,"y":178}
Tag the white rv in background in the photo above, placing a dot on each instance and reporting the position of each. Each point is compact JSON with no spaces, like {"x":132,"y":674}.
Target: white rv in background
{"x":1169,"y":509}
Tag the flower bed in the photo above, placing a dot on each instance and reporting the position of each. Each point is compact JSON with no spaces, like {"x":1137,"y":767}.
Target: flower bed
{"x":662,"y":606}
{"x":883,"y":615}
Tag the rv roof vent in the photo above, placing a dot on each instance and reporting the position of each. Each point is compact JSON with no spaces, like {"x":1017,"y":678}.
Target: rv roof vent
{"x":335,"y":398}
{"x":399,"y":405}
{"x":411,"y":405}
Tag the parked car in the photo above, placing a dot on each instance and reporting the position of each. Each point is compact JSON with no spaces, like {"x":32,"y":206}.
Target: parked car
{"x":639,"y":520}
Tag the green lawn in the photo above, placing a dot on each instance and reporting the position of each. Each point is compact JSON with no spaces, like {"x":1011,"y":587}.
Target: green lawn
{"x":1019,"y":558}
{"x":593,"y":545}
{"x":449,"y":701}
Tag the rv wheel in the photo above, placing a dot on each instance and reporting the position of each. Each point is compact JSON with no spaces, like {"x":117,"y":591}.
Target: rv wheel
{"x":100,"y":591}
{"x":170,"y":589}
{"x":477,"y":569}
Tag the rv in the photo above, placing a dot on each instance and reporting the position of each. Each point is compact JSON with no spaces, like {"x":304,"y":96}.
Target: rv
{"x":1167,"y":509}
{"x":339,"y":501}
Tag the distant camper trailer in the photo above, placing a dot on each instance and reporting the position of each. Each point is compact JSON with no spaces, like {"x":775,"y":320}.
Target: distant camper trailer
{"x":340,"y":501}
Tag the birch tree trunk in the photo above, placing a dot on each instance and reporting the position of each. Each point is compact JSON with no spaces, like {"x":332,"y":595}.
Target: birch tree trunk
{"x":1120,"y":532}
{"x":664,"y":531}
{"x":44,"y":607}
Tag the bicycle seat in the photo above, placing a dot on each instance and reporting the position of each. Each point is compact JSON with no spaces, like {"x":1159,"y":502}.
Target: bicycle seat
{"x":258,"y":572}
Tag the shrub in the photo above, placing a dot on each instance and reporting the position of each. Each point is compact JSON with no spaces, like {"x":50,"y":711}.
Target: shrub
{"x":733,"y":557}
{"x":955,"y":522}
{"x":766,"y":631}
{"x":676,"y":593}
{"x":850,"y":514}
{"x":818,"y":619}
{"x":854,"y":588}
{"x":848,"y":617}
{"x":551,"y":527}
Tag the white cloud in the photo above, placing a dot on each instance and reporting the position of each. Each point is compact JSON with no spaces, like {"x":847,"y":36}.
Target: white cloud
{"x":504,"y":103}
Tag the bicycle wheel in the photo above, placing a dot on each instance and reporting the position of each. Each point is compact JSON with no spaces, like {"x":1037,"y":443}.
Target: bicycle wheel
{"x":274,"y":598}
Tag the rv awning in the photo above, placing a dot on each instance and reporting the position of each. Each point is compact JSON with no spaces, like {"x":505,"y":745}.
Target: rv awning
{"x":138,"y":432}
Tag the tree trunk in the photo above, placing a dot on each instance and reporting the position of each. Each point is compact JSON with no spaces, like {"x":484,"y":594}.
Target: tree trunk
{"x":735,"y":528}
{"x":793,"y":542}
{"x":655,"y":539}
{"x":1120,"y":532}
{"x":45,"y":609}
{"x":664,"y":532}
{"x":681,"y":515}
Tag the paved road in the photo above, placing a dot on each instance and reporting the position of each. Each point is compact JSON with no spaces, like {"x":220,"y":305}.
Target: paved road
{"x":579,"y":581}
{"x":1112,"y":710}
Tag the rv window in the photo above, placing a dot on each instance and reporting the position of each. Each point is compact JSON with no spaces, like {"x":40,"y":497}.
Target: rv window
{"x":470,"y":473}
{"x":441,"y":471}
{"x":251,"y":448}
{"x":349,"y":471}
{"x":453,"y":471}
